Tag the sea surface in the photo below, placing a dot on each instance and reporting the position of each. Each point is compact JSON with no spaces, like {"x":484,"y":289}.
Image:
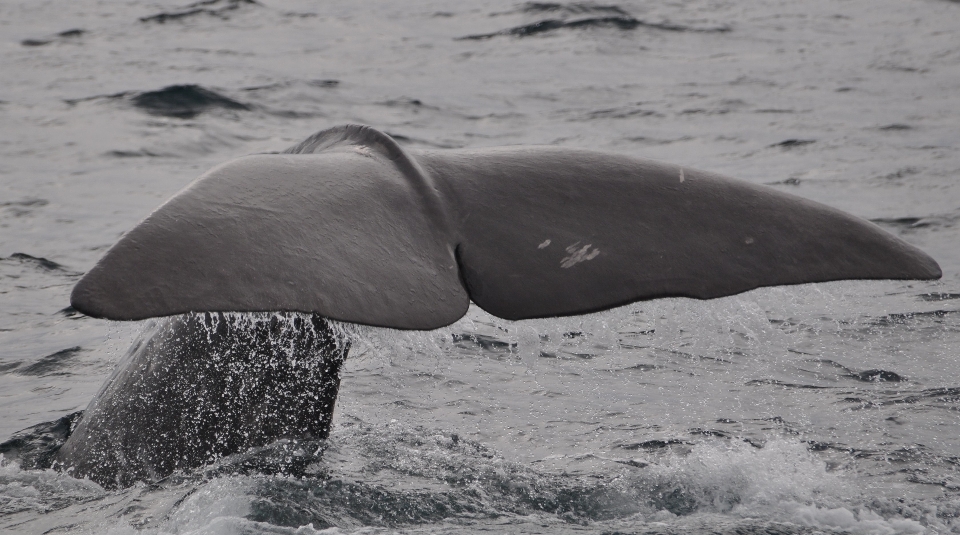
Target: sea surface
{"x":827,"y":408}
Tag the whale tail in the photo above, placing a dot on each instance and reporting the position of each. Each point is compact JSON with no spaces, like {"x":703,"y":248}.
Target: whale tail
{"x":349,"y":225}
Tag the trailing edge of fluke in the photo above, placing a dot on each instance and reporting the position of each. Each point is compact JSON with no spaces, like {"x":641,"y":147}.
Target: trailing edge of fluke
{"x":349,"y":225}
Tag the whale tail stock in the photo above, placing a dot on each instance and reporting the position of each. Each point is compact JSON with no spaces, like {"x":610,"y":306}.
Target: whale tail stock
{"x":350,"y":226}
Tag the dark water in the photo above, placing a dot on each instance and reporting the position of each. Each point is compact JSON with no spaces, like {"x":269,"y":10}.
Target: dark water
{"x":821,"y":408}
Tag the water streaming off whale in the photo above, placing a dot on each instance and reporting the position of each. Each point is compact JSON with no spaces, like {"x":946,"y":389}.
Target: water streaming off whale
{"x":785,"y":410}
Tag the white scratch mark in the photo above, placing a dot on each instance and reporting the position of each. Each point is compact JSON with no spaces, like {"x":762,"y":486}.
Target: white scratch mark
{"x":544,"y":244}
{"x":681,"y":175}
{"x":363,"y":151}
{"x":578,"y":255}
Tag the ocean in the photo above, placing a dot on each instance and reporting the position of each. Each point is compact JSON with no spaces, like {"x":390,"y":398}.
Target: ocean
{"x":822,"y":408}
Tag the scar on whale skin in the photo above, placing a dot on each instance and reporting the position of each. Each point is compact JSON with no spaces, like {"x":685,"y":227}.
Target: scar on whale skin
{"x":348,"y":226}
{"x":582,"y":254}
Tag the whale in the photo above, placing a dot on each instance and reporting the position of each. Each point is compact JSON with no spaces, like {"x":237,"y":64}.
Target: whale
{"x":197,"y":387}
{"x":247,"y":272}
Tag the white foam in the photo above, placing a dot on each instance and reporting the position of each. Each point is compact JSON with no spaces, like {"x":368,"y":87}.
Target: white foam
{"x":38,"y":490}
{"x":782,"y":482}
{"x":212,"y":508}
{"x":858,"y":521}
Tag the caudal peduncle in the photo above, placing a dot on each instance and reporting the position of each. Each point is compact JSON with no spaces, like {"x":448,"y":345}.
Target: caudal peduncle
{"x":198,"y":387}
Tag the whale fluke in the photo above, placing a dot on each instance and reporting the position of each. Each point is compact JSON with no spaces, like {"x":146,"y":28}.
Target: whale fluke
{"x":350,"y":226}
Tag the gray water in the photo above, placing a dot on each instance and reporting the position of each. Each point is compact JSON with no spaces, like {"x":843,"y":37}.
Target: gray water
{"x":817,"y":408}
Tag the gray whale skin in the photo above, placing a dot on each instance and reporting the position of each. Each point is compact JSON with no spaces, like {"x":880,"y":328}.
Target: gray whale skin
{"x":349,"y":226}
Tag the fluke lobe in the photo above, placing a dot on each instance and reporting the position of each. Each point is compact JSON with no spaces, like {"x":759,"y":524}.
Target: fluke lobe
{"x":349,"y":226}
